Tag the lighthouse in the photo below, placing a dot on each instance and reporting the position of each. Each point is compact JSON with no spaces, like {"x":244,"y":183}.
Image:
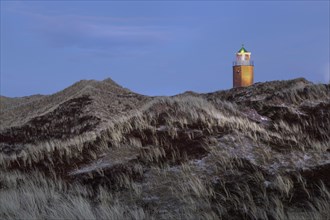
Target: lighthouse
{"x":243,"y":69}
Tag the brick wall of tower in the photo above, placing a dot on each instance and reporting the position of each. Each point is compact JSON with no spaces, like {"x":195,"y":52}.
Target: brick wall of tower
{"x":242,"y":76}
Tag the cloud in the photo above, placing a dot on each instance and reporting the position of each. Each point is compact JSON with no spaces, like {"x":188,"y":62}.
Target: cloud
{"x":95,"y":35}
{"x":93,"y":32}
{"x":98,"y":36}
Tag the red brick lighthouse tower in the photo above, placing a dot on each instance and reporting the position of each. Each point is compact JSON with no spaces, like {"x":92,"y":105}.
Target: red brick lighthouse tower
{"x":243,"y":69}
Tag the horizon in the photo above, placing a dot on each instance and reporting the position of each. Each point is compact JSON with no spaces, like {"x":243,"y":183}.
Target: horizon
{"x":159,"y":48}
{"x":101,"y":80}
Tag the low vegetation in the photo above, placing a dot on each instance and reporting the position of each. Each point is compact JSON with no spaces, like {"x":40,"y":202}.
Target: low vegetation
{"x":103,"y":152}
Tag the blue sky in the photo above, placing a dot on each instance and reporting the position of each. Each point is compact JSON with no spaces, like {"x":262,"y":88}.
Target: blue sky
{"x":159,"y":47}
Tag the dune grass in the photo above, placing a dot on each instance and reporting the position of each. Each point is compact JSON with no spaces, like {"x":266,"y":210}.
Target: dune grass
{"x":176,"y":157}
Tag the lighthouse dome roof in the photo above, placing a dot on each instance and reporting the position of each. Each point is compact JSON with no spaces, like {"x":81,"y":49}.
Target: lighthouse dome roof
{"x":243,"y":50}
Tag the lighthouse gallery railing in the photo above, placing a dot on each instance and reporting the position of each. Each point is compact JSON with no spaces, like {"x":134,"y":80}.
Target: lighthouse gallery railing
{"x":243,"y":63}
